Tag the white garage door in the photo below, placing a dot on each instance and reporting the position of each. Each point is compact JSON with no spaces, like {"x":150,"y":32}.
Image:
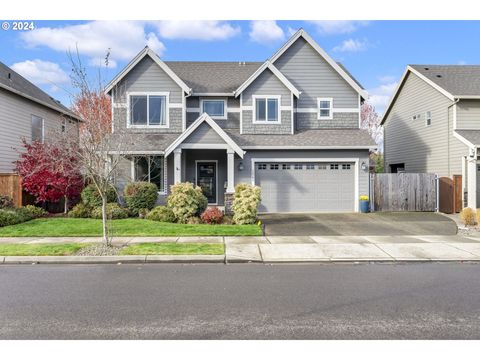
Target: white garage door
{"x":306,"y":187}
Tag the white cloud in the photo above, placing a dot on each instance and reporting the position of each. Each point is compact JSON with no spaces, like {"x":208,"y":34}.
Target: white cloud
{"x":291,"y":31}
{"x":352,"y":45}
{"x":380,"y":96}
{"x":42,"y":72}
{"x":462,"y":62}
{"x":196,"y":30}
{"x":332,"y":27}
{"x":265,"y":31}
{"x":124,"y":39}
{"x":387,"y":79}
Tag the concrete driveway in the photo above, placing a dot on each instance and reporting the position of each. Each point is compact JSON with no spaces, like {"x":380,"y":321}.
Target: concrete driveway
{"x":356,"y":224}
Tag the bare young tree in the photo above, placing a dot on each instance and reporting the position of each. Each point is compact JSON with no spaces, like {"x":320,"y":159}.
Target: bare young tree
{"x":100,"y":150}
{"x":370,"y":120}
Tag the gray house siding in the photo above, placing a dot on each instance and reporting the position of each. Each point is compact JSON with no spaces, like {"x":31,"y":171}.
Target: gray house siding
{"x":16,"y":123}
{"x":204,"y":134}
{"x":233,"y":111}
{"x":456,"y":149}
{"x":421,"y":148}
{"x":340,"y":120}
{"x":314,"y":77}
{"x":267,"y":84}
{"x":147,"y":76}
{"x":468,"y":114}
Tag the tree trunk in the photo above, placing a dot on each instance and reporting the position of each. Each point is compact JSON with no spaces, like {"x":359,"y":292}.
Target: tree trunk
{"x":106,"y":238}
{"x":65,"y":205}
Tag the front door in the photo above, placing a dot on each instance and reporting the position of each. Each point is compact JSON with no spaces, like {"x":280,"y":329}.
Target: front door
{"x":207,"y":179}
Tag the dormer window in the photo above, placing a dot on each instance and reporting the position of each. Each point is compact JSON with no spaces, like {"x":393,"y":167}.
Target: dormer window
{"x":325,"y":106}
{"x":216,"y":108}
{"x":148,"y":109}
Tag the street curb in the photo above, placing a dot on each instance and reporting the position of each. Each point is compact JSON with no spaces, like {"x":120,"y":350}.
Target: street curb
{"x":126,"y":259}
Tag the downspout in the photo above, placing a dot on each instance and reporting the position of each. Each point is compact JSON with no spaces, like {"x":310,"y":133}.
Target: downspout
{"x":450,"y":133}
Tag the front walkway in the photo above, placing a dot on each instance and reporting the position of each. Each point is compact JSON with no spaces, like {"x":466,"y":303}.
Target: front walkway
{"x":277,"y":249}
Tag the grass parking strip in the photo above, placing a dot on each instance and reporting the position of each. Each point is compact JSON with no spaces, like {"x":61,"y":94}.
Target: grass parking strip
{"x":174,"y":249}
{"x":40,"y":249}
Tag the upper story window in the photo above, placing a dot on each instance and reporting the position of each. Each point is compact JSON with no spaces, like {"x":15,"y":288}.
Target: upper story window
{"x":266,"y":109}
{"x":148,"y":110}
{"x":217,"y":109}
{"x":428,"y":118}
{"x":325,"y":106}
{"x":38,"y":132}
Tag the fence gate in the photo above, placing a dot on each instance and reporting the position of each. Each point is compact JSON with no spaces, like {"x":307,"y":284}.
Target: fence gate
{"x":446,"y":195}
{"x":404,"y":192}
{"x":11,"y":185}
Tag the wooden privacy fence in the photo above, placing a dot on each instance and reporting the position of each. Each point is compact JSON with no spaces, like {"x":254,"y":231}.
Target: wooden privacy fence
{"x":11,"y":185}
{"x":404,"y":192}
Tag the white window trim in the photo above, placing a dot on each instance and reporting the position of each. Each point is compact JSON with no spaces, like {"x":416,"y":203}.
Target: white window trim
{"x":43,"y":127}
{"x":225,"y":109}
{"x":266,"y":97}
{"x":329,"y":117}
{"x":132,"y":169}
{"x":167,"y":109}
{"x":426,"y":118}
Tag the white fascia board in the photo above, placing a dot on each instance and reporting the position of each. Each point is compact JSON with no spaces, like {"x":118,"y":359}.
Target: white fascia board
{"x":463,"y":140}
{"x":312,"y":147}
{"x":467,"y":97}
{"x":323,"y":54}
{"x":147,"y":51}
{"x":204,"y":118}
{"x":268,"y":65}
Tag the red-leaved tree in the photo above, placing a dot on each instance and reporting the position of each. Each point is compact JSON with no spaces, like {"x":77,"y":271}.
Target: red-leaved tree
{"x":49,"y":171}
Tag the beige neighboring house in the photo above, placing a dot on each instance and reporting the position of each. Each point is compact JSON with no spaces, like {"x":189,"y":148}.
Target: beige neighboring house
{"x":25,"y":112}
{"x":432,"y":124}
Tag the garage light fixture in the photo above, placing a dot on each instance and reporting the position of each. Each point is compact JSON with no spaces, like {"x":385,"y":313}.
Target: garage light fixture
{"x":364,"y":166}
{"x":240,"y":166}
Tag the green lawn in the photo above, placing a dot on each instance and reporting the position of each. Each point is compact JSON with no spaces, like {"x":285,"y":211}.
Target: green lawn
{"x":56,"y":227}
{"x":173,"y":249}
{"x":39,"y":249}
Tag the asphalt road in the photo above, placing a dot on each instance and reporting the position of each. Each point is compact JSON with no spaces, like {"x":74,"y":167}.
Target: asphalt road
{"x":339,"y":301}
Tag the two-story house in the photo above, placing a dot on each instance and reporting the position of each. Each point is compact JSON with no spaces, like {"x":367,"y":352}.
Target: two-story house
{"x":432,"y":124}
{"x":289,"y":125}
{"x":26,"y":112}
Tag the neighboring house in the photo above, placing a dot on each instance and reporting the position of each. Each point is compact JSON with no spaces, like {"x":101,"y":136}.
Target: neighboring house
{"x":289,"y":125}
{"x":432,"y":124}
{"x":26,"y":112}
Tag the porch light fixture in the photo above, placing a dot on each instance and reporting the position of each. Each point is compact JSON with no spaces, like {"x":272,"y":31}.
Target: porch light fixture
{"x":240,"y":166}
{"x":364,"y":166}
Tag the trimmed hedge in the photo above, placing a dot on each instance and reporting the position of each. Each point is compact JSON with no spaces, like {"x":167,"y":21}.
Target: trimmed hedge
{"x":114,"y":211}
{"x":245,"y":204}
{"x":162,"y":214}
{"x":186,"y":201}
{"x":140,"y":195}
{"x":19,"y":215}
{"x":92,"y":198}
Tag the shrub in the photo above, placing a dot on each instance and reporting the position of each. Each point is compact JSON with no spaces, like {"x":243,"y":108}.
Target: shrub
{"x":35,"y":211}
{"x":467,"y":215}
{"x":212,"y":216}
{"x":245,"y":204}
{"x":142,"y":213}
{"x":81,"y":210}
{"x":114,"y":211}
{"x":162,"y":214}
{"x":14,"y":216}
{"x":186,"y":200}
{"x":6,"y":202}
{"x":478,"y":216}
{"x":194,"y":220}
{"x":140,"y":195}
{"x":92,"y":198}
{"x":227,"y":220}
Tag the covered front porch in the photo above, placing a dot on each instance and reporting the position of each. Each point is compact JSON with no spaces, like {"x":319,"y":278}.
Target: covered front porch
{"x":205,"y":155}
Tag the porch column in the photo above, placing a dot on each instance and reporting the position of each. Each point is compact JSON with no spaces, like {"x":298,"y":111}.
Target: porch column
{"x":230,"y":171}
{"x":472,"y":182}
{"x":177,"y":165}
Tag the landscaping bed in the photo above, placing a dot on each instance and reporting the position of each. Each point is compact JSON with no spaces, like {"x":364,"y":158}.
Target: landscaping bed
{"x":85,"y":249}
{"x":60,"y":227}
